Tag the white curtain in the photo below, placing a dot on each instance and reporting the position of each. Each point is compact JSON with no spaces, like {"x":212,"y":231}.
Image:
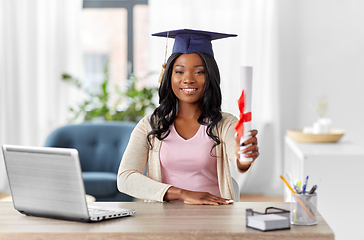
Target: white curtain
{"x":255,"y":23}
{"x":39,"y":40}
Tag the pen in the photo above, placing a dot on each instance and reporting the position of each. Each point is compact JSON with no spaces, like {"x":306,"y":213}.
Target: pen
{"x":299,"y":185}
{"x":313,"y":189}
{"x":304,"y":186}
{"x":284,"y":180}
{"x":296,"y":189}
{"x":288,"y":179}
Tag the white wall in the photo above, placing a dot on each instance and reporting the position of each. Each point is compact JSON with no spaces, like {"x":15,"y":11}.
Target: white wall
{"x":321,"y":54}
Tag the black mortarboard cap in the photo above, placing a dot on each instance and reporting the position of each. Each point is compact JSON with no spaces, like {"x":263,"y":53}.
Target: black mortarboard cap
{"x":192,"y":41}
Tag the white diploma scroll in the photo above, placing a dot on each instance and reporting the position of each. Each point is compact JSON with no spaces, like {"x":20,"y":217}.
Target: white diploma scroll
{"x":246,"y":76}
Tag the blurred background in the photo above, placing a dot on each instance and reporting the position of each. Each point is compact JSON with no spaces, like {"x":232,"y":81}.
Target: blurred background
{"x":58,"y":54}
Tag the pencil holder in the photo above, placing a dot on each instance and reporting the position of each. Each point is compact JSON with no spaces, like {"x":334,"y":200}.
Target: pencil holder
{"x":304,"y":209}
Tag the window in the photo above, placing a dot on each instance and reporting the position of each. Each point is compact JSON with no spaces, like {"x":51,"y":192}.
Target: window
{"x":114,"y":32}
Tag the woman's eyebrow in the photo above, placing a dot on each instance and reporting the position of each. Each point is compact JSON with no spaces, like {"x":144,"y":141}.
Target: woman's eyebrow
{"x":193,"y":66}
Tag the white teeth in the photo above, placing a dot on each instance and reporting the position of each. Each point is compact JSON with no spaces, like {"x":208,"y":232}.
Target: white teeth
{"x":189,"y":90}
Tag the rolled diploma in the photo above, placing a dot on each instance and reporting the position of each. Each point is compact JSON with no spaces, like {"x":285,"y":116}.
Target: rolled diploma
{"x":246,"y":75}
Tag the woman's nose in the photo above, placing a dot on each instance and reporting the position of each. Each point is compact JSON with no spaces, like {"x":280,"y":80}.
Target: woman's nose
{"x":188,"y":78}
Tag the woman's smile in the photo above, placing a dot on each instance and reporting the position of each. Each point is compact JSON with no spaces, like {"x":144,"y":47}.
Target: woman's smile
{"x":189,"y":90}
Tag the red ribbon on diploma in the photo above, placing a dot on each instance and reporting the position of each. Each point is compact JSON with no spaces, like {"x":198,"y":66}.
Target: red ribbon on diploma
{"x":244,"y":117}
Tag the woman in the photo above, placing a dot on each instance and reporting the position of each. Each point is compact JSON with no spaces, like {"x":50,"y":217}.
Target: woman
{"x":187,"y":141}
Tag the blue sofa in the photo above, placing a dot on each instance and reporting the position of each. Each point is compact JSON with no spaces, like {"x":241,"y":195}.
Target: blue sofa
{"x":101,"y":147}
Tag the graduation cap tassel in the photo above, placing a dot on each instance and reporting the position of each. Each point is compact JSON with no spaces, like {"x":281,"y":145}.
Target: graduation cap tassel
{"x":164,"y":64}
{"x":162,"y":72}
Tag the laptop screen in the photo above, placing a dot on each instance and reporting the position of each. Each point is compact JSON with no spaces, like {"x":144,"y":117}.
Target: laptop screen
{"x":46,"y":181}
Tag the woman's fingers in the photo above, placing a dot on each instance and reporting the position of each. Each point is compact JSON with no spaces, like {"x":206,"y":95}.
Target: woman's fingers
{"x":253,"y":155}
{"x":251,"y":150}
{"x":254,"y":132}
{"x":199,"y":198}
{"x":251,"y":140}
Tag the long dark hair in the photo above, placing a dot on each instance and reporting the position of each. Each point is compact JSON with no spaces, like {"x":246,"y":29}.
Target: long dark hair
{"x":210,"y":103}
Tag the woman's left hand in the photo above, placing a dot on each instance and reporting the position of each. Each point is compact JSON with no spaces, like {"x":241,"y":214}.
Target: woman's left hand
{"x":251,"y":151}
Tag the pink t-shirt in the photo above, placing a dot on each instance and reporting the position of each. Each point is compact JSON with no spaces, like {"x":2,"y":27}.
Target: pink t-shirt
{"x":188,"y":164}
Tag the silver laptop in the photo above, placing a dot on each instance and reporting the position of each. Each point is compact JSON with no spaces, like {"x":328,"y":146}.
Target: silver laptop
{"x":47,"y":182}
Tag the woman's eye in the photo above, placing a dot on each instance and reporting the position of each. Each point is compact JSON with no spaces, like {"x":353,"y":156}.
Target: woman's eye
{"x":178,"y":72}
{"x":200,"y":72}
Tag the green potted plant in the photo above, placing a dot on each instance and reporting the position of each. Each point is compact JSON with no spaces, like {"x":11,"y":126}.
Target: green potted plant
{"x":99,"y":105}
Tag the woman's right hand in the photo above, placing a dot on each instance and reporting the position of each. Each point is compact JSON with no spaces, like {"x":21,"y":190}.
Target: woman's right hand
{"x":192,"y":197}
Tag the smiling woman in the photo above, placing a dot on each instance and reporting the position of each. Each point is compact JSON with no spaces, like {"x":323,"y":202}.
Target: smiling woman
{"x":187,"y":142}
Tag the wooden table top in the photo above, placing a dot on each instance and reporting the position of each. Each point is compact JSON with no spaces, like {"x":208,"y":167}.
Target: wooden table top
{"x":157,"y":221}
